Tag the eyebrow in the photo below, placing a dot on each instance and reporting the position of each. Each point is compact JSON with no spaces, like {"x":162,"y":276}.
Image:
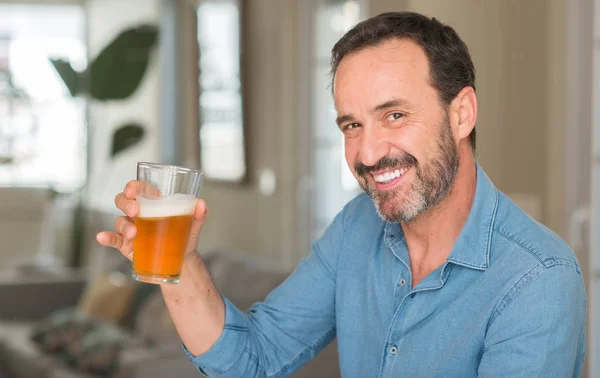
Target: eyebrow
{"x":389,"y":104}
{"x":385,"y":105}
{"x":343,"y":119}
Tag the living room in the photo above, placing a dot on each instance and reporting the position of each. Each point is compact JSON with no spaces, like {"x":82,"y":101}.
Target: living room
{"x":240,"y":89}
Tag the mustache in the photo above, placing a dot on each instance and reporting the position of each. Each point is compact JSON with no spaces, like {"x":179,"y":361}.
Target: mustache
{"x":384,"y":163}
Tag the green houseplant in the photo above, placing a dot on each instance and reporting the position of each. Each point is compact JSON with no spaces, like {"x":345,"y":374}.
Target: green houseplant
{"x":114,"y":75}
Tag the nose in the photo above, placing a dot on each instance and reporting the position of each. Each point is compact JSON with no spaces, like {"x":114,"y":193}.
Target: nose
{"x":373,"y":146}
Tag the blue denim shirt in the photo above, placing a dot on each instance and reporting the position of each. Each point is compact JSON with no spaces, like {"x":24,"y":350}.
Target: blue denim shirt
{"x":508,"y":302}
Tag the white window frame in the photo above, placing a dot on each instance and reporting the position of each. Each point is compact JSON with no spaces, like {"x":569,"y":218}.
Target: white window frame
{"x":82,"y":3}
{"x":305,"y":137}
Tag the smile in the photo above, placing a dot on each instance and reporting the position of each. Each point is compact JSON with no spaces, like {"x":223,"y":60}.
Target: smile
{"x":389,"y":176}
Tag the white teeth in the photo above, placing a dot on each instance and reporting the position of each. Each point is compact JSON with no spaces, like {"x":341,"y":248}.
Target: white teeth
{"x":389,"y":176}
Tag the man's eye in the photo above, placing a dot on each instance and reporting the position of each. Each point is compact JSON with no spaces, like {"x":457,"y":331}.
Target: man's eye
{"x":395,"y":116}
{"x":351,"y":126}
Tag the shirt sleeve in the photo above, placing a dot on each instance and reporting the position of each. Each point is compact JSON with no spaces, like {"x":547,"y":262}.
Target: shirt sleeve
{"x":296,"y":320}
{"x":538,"y":329}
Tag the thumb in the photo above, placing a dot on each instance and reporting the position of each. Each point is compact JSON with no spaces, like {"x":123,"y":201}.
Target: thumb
{"x":200,"y":216}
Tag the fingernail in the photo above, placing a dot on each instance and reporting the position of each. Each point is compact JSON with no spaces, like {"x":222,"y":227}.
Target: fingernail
{"x":130,"y":209}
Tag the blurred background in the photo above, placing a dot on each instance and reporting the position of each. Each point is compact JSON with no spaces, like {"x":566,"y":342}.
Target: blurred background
{"x":240,"y":89}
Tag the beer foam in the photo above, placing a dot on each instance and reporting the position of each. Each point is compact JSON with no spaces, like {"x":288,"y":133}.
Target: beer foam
{"x":175,"y":205}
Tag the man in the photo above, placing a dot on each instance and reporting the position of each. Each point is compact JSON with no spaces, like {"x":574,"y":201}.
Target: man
{"x":432,"y":273}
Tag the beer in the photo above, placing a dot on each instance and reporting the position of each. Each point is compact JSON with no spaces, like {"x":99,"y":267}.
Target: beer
{"x":163,"y":229}
{"x":166,"y":195}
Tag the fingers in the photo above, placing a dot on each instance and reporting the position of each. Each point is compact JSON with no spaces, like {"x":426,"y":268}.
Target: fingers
{"x":126,"y":231}
{"x":110,"y":239}
{"x":126,"y":205}
{"x":117,"y":241}
{"x":201,"y":211}
{"x":131,"y":190}
{"x":122,"y":239}
{"x":125,"y":201}
{"x":200,"y":215}
{"x":143,"y":188}
{"x":125,"y":226}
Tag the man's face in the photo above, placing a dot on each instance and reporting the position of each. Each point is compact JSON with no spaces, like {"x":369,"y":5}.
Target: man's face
{"x":399,"y":142}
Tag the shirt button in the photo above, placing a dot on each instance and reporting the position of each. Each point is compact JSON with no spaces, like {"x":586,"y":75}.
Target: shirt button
{"x":413,"y":295}
{"x":393,"y":349}
{"x":402,"y":282}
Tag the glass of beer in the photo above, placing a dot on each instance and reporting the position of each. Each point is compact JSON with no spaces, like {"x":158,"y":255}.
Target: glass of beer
{"x":167,"y":198}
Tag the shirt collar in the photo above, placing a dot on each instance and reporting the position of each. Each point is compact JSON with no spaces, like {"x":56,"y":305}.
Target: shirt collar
{"x":472,"y":248}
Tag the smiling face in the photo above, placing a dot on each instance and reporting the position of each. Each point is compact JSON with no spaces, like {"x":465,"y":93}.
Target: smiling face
{"x":399,"y":141}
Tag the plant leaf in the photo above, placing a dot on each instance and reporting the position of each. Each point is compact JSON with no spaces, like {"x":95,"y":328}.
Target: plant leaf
{"x":119,"y":68}
{"x":6,"y":160}
{"x":125,"y":137}
{"x":68,"y":75}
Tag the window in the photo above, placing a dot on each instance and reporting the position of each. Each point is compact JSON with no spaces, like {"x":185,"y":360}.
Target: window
{"x":334,"y":184}
{"x":42,"y":128}
{"x":221,"y":116}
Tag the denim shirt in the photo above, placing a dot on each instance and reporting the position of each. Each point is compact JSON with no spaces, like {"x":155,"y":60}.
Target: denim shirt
{"x":508,"y":302}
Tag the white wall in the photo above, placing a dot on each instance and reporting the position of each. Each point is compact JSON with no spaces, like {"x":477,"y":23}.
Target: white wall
{"x":241,"y":216}
{"x":106,"y":18}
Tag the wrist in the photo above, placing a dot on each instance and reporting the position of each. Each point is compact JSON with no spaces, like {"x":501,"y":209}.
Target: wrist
{"x":195,"y":282}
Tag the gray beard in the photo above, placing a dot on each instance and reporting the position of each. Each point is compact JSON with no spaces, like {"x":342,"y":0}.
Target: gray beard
{"x":432,"y":184}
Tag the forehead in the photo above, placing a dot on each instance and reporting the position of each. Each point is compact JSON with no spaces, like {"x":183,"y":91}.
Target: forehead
{"x":393,"y":69}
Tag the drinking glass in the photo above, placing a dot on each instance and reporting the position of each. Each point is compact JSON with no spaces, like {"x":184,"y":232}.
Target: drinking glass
{"x":166,"y":197}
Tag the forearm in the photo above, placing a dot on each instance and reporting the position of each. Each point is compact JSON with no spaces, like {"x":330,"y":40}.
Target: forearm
{"x":276,"y":336}
{"x":195,"y":306}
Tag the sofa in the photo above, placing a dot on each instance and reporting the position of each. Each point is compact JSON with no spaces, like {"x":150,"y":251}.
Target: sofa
{"x":154,"y":348}
{"x":24,"y":211}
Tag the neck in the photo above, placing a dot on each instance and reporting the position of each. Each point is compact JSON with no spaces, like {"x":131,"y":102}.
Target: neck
{"x":431,"y":236}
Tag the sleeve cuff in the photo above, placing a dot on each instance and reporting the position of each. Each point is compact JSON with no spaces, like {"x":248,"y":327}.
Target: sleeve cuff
{"x":229,"y":346}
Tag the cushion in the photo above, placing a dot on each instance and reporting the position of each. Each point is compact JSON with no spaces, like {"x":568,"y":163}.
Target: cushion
{"x":62,"y":327}
{"x":107,"y":297}
{"x":243,"y":279}
{"x":85,"y":343}
{"x":19,"y":355}
{"x":98,"y":351}
{"x":153,"y":324}
{"x":141,"y":292}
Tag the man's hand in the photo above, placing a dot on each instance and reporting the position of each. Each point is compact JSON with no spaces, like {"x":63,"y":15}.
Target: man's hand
{"x":195,"y":305}
{"x":125,"y":231}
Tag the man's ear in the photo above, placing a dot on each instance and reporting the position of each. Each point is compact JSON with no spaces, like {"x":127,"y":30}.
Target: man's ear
{"x":463,"y":113}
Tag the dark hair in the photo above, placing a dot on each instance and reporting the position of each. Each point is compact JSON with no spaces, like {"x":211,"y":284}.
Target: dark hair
{"x":450,"y":65}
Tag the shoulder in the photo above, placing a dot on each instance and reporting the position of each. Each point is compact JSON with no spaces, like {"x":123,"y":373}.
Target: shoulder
{"x":539,"y":271}
{"x":526,"y":240}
